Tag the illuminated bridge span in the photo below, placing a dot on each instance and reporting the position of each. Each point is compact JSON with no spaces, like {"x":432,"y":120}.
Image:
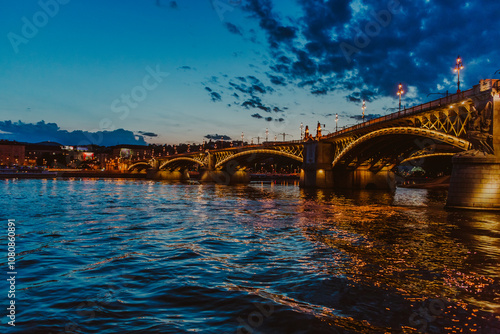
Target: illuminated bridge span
{"x":466,"y":125}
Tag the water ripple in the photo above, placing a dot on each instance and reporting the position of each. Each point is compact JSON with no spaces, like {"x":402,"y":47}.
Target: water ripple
{"x":108,"y":256}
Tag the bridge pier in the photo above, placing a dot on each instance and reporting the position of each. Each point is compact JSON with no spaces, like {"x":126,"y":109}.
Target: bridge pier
{"x":364,"y":178}
{"x":316,"y":169}
{"x":475,"y":182}
{"x":475,"y":178}
{"x":231,"y":174}
{"x":225,"y":177}
{"x":175,"y":175}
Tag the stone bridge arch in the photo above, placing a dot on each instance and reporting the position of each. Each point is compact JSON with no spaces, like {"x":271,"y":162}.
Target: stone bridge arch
{"x":438,"y":136}
{"x":256,"y":154}
{"x":143,"y":164}
{"x":181,"y":162}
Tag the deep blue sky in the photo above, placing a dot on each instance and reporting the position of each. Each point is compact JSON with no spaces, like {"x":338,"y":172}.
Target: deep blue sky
{"x":228,"y":66}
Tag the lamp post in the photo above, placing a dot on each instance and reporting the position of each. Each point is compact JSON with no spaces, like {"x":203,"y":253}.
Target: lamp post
{"x":258,"y":140}
{"x":267,"y":134}
{"x":336,"y":122}
{"x":242,"y":136}
{"x":363,"y":108}
{"x":301,"y":130}
{"x":400,"y":93}
{"x":285,"y":134}
{"x":459,"y":66}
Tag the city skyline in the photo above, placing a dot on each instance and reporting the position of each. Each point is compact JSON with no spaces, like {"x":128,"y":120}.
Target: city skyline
{"x":177,"y":71}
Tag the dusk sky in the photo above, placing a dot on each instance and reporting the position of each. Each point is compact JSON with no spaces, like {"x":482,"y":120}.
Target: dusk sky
{"x":175,"y":71}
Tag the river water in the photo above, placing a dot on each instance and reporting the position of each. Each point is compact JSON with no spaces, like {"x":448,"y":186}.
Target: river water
{"x":127,"y":256}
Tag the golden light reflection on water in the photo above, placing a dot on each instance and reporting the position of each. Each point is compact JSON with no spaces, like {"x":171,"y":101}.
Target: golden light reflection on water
{"x":364,"y":262}
{"x":390,"y":243}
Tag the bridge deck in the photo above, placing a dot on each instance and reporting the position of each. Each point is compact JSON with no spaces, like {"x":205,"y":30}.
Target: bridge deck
{"x":452,"y":98}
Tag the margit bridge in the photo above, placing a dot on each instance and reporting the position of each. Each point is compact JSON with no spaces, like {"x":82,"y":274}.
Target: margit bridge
{"x":465,"y":125}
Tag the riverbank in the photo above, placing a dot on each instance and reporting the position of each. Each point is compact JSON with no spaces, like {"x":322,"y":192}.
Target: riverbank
{"x":50,"y":174}
{"x":101,"y":174}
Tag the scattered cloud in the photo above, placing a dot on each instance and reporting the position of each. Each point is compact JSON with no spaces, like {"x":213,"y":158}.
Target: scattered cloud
{"x":359,"y":96}
{"x":258,"y":116}
{"x":250,"y":85}
{"x":218,"y":137}
{"x":255,"y":102}
{"x":277,"y":80}
{"x":233,"y":29}
{"x":215,"y":97}
{"x":321,"y":91}
{"x":148,"y":134}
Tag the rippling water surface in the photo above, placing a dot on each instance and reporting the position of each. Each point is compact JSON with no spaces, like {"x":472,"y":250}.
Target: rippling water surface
{"x":123,"y":256}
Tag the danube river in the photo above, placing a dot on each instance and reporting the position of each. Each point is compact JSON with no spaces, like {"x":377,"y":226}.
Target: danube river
{"x":129,"y":256}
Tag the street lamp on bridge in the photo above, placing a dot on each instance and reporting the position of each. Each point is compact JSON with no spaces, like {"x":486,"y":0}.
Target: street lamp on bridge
{"x":336,"y":122}
{"x":267,"y":134}
{"x":301,"y":130}
{"x":258,"y":139}
{"x":363,"y":108}
{"x":400,"y":93}
{"x":459,"y":66}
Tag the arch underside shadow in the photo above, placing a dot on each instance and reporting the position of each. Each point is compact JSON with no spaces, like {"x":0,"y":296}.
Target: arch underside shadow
{"x":183,"y":162}
{"x":248,"y":158}
{"x":139,"y":166}
{"x":388,"y":147}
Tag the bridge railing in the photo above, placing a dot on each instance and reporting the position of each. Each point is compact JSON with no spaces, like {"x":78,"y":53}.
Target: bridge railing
{"x":453,"y":98}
